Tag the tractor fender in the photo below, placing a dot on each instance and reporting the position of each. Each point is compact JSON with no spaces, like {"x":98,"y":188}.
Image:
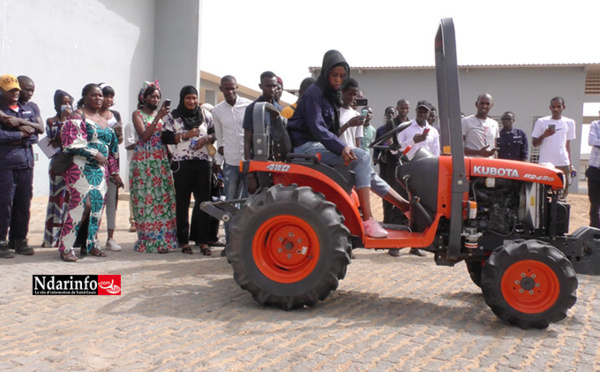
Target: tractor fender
{"x":303,"y":175}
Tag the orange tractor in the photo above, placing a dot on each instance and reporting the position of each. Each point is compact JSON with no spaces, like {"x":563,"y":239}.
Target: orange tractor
{"x":291,"y":241}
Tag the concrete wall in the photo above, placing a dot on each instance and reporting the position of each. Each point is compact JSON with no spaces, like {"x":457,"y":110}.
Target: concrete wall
{"x":176,"y":46}
{"x":525,"y":91}
{"x":69,"y":43}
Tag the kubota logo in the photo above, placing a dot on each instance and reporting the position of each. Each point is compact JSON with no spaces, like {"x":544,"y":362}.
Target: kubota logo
{"x":493,"y":171}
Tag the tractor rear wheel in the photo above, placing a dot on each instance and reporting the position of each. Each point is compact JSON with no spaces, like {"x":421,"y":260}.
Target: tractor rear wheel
{"x":289,"y":247}
{"x":529,"y":283}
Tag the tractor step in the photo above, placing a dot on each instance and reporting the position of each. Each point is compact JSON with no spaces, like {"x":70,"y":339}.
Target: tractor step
{"x":391,"y":226}
{"x":398,"y":239}
{"x":589,"y":263}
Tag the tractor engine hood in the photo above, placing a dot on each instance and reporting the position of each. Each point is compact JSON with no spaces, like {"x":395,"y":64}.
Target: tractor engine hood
{"x":517,"y":170}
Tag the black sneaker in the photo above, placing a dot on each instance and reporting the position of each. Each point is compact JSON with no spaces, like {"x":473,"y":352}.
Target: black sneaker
{"x":21,"y":247}
{"x":4,"y":251}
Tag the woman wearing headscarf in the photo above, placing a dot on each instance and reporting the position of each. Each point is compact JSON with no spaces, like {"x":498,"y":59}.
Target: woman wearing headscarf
{"x":315,"y":128}
{"x":150,"y":179}
{"x":190,"y":128}
{"x":93,"y":144}
{"x":63,"y":105}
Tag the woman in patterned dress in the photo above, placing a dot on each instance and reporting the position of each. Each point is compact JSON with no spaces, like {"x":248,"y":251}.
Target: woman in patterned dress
{"x":191,"y":128}
{"x":63,"y":105}
{"x":94,"y":147}
{"x":150,"y":180}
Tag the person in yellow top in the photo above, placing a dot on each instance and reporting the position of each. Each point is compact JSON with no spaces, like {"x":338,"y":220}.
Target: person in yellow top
{"x":289,"y":111}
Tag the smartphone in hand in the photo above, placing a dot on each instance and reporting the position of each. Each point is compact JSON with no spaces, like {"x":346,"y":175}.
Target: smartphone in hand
{"x":167,"y":103}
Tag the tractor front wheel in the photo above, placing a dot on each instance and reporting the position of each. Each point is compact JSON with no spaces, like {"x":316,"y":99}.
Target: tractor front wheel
{"x":529,"y":283}
{"x":475,"y":268}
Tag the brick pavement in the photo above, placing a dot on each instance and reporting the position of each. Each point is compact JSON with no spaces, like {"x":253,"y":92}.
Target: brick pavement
{"x":180,"y":312}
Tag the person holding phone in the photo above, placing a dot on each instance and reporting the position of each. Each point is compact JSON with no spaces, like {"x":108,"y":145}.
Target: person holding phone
{"x":420,"y":134}
{"x":351,"y":121}
{"x":480,"y":132}
{"x":113,"y":118}
{"x":191,"y":128}
{"x":553,"y":135}
{"x":150,"y":180}
{"x":63,"y":106}
{"x":368,"y":130}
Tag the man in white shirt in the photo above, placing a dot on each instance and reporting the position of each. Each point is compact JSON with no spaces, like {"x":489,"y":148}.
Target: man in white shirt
{"x":593,"y":174}
{"x":228,"y":117}
{"x":351,"y":122}
{"x":420,"y":133}
{"x":553,"y":134}
{"x":480,"y":132}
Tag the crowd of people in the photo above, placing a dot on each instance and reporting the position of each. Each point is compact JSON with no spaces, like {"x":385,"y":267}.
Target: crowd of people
{"x":172,"y":156}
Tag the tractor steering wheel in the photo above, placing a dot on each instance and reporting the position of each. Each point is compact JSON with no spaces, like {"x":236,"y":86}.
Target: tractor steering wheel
{"x":377,"y":144}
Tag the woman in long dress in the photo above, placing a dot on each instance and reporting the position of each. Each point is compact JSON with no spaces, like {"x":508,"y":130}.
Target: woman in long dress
{"x":150,"y":179}
{"x":94,"y":147}
{"x":63,"y":105}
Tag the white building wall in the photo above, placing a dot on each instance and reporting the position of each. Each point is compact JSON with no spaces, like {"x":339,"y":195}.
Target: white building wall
{"x":176,"y":46}
{"x":525,"y":91}
{"x":69,"y":43}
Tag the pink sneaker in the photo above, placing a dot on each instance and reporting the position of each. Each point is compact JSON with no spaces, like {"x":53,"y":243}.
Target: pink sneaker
{"x":374,"y":229}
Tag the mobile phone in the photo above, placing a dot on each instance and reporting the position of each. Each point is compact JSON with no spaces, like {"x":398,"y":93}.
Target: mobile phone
{"x":552,"y":126}
{"x":364,"y":112}
{"x":64,"y":107}
{"x":167,"y":103}
{"x":362,"y":102}
{"x":426,"y":131}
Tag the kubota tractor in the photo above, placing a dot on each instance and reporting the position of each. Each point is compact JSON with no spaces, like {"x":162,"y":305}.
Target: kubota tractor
{"x":291,"y":241}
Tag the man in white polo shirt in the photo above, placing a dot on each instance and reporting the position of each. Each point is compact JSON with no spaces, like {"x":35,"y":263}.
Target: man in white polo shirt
{"x":227,"y":118}
{"x":552,"y":134}
{"x":480,"y":132}
{"x":420,"y":133}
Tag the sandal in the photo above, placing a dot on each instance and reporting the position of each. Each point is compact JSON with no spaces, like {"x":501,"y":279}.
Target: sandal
{"x":187,"y":250}
{"x":97,"y":252}
{"x":68,"y":256}
{"x":219,"y":243}
{"x":206,"y":251}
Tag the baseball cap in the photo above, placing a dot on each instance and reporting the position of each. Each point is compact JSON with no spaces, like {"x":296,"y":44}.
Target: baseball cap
{"x":9,"y":82}
{"x":425,"y":103}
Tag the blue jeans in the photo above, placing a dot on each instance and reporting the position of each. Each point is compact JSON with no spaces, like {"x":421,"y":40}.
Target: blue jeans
{"x":235,"y":182}
{"x":365,"y":175}
{"x":236,"y":187}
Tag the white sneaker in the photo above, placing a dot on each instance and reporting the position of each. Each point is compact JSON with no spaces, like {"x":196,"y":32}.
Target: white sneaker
{"x":111,"y":245}
{"x":374,"y":229}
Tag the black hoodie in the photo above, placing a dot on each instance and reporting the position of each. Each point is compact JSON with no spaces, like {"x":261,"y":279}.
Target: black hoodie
{"x":331,"y":59}
{"x":316,"y":118}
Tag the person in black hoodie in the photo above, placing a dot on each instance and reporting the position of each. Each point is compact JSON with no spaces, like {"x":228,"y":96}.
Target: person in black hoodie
{"x":315,"y":126}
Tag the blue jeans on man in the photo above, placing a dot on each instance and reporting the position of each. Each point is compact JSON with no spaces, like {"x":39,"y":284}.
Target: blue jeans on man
{"x":236,"y":187}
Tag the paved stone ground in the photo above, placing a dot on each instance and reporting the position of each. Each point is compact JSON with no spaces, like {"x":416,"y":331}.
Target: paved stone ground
{"x":184,"y":313}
